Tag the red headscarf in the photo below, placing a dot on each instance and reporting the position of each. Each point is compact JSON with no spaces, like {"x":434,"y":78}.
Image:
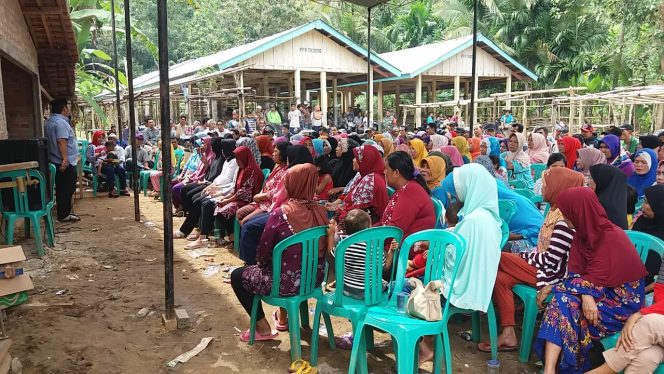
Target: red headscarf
{"x":369,"y":191}
{"x":265,"y":146}
{"x":571,"y":145}
{"x":97,"y":136}
{"x":250,"y":172}
{"x":601,"y":252}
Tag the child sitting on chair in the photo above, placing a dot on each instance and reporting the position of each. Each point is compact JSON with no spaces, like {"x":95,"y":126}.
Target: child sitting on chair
{"x":354,"y":262}
{"x":416,"y":266}
{"x":108,"y":156}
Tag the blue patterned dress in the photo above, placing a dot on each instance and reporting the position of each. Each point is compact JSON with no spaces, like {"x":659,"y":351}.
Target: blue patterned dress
{"x":564,"y":325}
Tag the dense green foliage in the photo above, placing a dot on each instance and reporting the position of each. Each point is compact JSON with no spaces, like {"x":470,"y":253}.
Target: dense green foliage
{"x":599,"y":43}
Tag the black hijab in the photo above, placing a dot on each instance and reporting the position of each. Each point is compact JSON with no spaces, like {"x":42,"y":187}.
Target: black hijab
{"x":227,"y":148}
{"x":299,"y":154}
{"x":611,"y":190}
{"x":653,"y":226}
{"x":218,"y":163}
{"x":343,"y":170}
{"x":333,"y":147}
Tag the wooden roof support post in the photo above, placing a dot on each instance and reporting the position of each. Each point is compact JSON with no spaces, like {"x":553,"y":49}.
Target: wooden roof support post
{"x":418,"y":101}
{"x":335,"y":98}
{"x":397,"y":101}
{"x":296,"y":85}
{"x":322,"y":102}
{"x":241,"y":95}
{"x":190,"y":105}
{"x":524,"y":115}
{"x":571,"y":109}
{"x":380,"y":102}
{"x":581,"y":114}
{"x":508,"y":90}
{"x":371,"y":113}
{"x":457,"y":88}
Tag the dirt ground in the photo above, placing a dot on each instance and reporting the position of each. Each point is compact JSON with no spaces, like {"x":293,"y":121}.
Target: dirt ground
{"x":108,"y":267}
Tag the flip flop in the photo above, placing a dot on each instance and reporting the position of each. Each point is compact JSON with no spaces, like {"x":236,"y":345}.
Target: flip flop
{"x":195,"y":245}
{"x":297,"y":365}
{"x":486,"y":347}
{"x":279,"y":326}
{"x":258,"y":337}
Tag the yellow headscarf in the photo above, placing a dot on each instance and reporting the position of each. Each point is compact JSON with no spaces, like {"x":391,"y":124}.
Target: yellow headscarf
{"x":461,"y":143}
{"x":437,"y":166}
{"x":420,"y":150}
{"x":388,"y":146}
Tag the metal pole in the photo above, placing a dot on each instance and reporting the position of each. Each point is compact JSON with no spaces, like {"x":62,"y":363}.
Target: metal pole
{"x":474,"y":72}
{"x":369,"y":82}
{"x":115,"y":66}
{"x":132,"y":115}
{"x":164,"y":98}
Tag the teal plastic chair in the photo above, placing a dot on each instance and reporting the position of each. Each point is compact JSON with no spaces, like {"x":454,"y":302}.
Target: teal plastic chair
{"x":528,"y":194}
{"x":407,"y":331}
{"x":309,"y":240}
{"x":537,"y":170}
{"x":144,"y":175}
{"x":22,"y":208}
{"x":518,"y":184}
{"x":645,"y":243}
{"x":266,"y":172}
{"x":390,"y":191}
{"x":506,"y":210}
{"x":505,"y":230}
{"x":439,"y":212}
{"x":339,"y":305}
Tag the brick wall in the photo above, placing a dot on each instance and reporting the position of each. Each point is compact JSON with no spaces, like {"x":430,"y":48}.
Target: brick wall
{"x":3,"y":119}
{"x":15,"y":40}
{"x":18,"y":101}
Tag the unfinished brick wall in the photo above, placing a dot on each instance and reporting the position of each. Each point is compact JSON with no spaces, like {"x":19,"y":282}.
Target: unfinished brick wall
{"x":15,"y":40}
{"x":18,"y":101}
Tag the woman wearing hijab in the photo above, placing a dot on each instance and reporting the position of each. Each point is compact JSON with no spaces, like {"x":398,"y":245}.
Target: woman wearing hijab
{"x":652,"y":222}
{"x":216,"y":160}
{"x":319,"y":147}
{"x":538,"y":150}
{"x":615,"y":155}
{"x":480,"y":227}
{"x":517,"y":160}
{"x":475,"y":144}
{"x":203,"y":203}
{"x":610,"y":186}
{"x":266,"y":149}
{"x":343,"y":171}
{"x":247,"y":184}
{"x":461,"y":144}
{"x":388,"y":146}
{"x":436,"y":142}
{"x":604,"y":286}
{"x":96,"y":147}
{"x":253,"y":226}
{"x":202,"y":156}
{"x":449,"y":166}
{"x":433,"y":169}
{"x":588,"y":157}
{"x":541,"y":268}
{"x":453,"y":154}
{"x":568,"y":145}
{"x":417,"y":150}
{"x":298,"y":213}
{"x":369,"y":191}
{"x":645,"y":171}
{"x":253,"y":147}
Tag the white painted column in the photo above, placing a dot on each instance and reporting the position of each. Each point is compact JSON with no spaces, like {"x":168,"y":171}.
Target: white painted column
{"x":418,"y":100}
{"x":508,"y":89}
{"x":397,"y":102}
{"x":457,"y":92}
{"x":370,"y":101}
{"x":349,"y":99}
{"x":323,"y":96}
{"x":296,"y":83}
{"x":433,"y":97}
{"x":380,"y":102}
{"x":335,"y":95}
{"x":307,"y":96}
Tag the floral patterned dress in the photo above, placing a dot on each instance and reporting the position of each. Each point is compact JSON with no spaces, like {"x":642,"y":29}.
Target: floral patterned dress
{"x":257,"y":279}
{"x":244,"y":195}
{"x":564,"y":325}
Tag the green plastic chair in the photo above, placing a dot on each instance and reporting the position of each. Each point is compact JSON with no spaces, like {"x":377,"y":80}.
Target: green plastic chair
{"x":309,"y":240}
{"x":506,"y":210}
{"x":528,"y":194}
{"x":505,"y":230}
{"x":145,"y":175}
{"x":390,"y":191}
{"x":339,"y":305}
{"x":439,"y":212}
{"x":22,"y":208}
{"x":518,"y":184}
{"x":537,"y":170}
{"x":176,"y":172}
{"x":237,"y":229}
{"x":266,"y":172}
{"x":407,"y":331}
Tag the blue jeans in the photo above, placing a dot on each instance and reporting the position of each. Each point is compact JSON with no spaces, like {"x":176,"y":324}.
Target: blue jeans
{"x":110,"y":172}
{"x":251,"y":235}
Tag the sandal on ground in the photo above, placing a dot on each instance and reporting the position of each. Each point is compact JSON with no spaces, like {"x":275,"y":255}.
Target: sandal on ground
{"x":178,"y":213}
{"x":70,"y":218}
{"x":196,"y":245}
{"x":179,"y":235}
{"x":124,"y":193}
{"x":279,"y":326}
{"x":113,"y":194}
{"x":302,"y":367}
{"x":258,"y":337}
{"x":486,"y":347}
{"x":193,"y":236}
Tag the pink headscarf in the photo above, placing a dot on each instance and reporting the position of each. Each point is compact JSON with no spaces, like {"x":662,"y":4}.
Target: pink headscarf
{"x":539,"y":153}
{"x":454,"y":154}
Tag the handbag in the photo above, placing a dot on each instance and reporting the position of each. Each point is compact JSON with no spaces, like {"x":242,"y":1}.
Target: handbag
{"x":424,"y":302}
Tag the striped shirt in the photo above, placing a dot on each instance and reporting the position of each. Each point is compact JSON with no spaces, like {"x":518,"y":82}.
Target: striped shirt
{"x":552,"y":264}
{"x":354,"y":268}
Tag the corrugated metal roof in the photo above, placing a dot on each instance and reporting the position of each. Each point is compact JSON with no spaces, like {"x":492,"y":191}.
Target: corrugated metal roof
{"x":411,"y":60}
